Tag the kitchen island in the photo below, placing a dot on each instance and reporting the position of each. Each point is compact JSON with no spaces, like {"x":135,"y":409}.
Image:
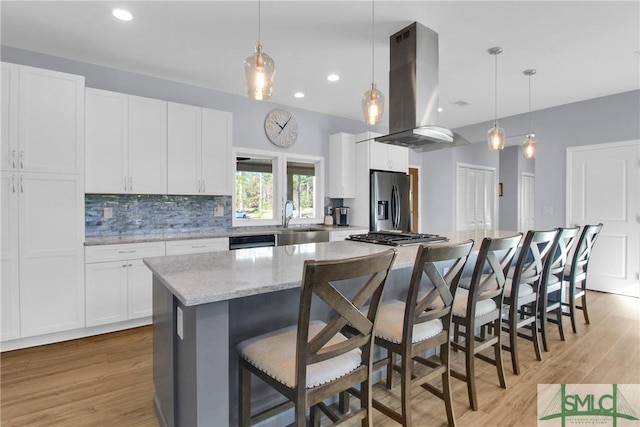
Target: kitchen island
{"x":204,"y":304}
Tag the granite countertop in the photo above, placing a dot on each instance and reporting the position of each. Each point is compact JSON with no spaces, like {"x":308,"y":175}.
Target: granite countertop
{"x":168,"y":236}
{"x":217,"y":276}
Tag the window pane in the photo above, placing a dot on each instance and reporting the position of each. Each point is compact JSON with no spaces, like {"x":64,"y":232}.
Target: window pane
{"x":301,"y":186}
{"x":254,"y":188}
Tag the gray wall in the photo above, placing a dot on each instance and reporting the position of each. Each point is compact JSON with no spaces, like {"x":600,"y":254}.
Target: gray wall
{"x":595,"y":121}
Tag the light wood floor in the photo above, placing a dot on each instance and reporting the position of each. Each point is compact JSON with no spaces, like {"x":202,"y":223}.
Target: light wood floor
{"x":107,"y":380}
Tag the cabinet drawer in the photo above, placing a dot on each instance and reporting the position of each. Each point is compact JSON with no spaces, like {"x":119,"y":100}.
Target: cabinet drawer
{"x":180,"y":247}
{"x":336,"y":236}
{"x":104,"y":253}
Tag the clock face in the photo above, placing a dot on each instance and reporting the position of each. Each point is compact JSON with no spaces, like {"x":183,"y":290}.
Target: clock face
{"x":281,"y":128}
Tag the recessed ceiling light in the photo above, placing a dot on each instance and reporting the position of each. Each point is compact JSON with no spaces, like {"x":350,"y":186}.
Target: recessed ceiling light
{"x":440,"y":109}
{"x":333,"y":77}
{"x":298,"y":95}
{"x":122,"y":14}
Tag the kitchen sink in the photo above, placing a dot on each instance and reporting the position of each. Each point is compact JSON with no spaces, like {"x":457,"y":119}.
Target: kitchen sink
{"x":299,"y":235}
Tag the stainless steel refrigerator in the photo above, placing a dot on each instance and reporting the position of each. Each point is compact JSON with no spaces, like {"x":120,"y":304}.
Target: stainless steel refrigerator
{"x":390,"y":201}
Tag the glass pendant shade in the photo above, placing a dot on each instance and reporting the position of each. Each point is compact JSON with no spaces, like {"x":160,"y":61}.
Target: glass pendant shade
{"x":373,"y":106}
{"x":259,"y":70}
{"x":495,"y":137}
{"x":529,"y":146}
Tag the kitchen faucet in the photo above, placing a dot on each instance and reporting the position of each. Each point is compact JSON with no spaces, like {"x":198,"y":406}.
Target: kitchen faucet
{"x":288,"y":213}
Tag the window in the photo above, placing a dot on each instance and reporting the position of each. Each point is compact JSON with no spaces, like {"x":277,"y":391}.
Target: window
{"x":265,"y":180}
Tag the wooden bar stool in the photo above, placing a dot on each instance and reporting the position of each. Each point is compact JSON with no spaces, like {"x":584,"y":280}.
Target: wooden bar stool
{"x":522,"y":290}
{"x":312,"y":361}
{"x":551,"y":289}
{"x":481,"y":306}
{"x":575,"y":274}
{"x":421,"y":323}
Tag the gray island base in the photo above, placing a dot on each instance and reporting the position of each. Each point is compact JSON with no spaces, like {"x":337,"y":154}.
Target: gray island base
{"x":204,"y":304}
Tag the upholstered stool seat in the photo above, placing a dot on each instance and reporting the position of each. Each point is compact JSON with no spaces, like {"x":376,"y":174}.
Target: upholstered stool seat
{"x":274,"y":354}
{"x":391,"y":318}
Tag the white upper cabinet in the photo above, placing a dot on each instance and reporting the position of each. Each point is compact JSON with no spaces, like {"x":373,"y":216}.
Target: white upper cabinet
{"x":147,"y":146}
{"x":9,"y":128}
{"x":342,"y":165}
{"x":388,"y":157}
{"x":49,"y":134}
{"x":199,"y":147}
{"x":126,"y":143}
{"x":107,"y":139}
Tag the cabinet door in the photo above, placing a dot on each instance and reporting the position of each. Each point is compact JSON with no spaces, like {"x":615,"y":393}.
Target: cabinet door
{"x":106,"y":131}
{"x":51,"y":231}
{"x":342,"y":166}
{"x":10,"y":295}
{"x":9,"y":127}
{"x":398,"y":158}
{"x":378,"y":156}
{"x":147,"y":146}
{"x":51,"y":134}
{"x":184,"y":148}
{"x":140,"y":295}
{"x":216,"y":152}
{"x":106,"y":292}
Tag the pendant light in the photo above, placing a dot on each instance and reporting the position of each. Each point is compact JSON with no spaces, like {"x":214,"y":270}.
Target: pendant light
{"x":529,"y":144}
{"x":495,"y":136}
{"x":372,"y":99}
{"x":259,"y":70}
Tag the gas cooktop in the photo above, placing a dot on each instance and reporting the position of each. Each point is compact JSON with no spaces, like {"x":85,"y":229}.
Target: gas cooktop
{"x":396,"y":239}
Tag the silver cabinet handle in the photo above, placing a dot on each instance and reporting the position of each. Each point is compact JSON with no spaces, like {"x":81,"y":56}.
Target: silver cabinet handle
{"x":13,"y":159}
{"x":198,"y":246}
{"x":21,"y":159}
{"x":125,"y":183}
{"x":130,"y":183}
{"x":124,"y":265}
{"x":130,"y":265}
{"x":203,"y":188}
{"x":13,"y":183}
{"x":199,"y":186}
{"x":129,"y":251}
{"x":21,"y":184}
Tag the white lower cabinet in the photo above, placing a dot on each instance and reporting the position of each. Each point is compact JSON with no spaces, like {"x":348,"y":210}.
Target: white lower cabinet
{"x":118,"y":284}
{"x":181,"y":247}
{"x":337,"y":235}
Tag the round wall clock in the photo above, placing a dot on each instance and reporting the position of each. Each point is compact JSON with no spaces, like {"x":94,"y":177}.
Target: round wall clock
{"x":281,"y":127}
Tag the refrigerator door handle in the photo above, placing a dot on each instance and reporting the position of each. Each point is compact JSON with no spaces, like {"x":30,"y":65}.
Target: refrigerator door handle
{"x":395,"y":207}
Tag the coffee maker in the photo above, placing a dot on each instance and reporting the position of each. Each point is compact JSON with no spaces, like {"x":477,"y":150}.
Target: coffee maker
{"x":341,"y":216}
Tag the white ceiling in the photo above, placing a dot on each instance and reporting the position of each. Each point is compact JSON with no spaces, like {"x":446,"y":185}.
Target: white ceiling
{"x":581,"y":49}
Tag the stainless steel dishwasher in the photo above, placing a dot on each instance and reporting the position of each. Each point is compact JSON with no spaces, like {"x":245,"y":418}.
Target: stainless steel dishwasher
{"x":252,"y":241}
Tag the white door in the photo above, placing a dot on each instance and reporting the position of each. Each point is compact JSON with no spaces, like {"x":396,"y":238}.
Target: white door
{"x":184,"y":138}
{"x":216,"y":152}
{"x":10,"y":295}
{"x":106,"y":133}
{"x":9,"y":127}
{"x":106,"y":292}
{"x":140,"y":289}
{"x":51,"y":253}
{"x":51,"y":135}
{"x":603,"y":185}
{"x":476,"y":198}
{"x":527,"y":202}
{"x":147,"y":146}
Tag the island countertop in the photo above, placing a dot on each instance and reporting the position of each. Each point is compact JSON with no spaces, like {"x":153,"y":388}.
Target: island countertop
{"x":218,"y":276}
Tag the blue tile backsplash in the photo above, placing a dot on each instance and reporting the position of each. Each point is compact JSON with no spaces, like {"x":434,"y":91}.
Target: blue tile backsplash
{"x":151,"y":214}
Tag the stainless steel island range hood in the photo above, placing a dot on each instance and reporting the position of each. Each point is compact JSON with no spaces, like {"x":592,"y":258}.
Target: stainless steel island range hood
{"x":414,"y":92}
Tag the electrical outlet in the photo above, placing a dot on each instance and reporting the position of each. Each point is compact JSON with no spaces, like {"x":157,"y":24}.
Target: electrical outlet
{"x":218,"y":211}
{"x":179,"y":323}
{"x":107,"y":213}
